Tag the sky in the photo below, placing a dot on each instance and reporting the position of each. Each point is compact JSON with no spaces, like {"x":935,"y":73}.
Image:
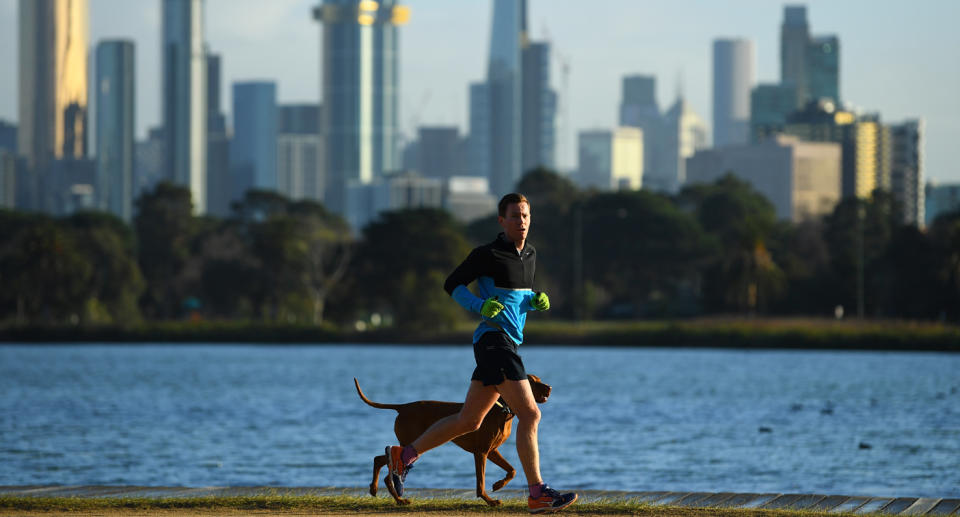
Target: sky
{"x":898,"y":58}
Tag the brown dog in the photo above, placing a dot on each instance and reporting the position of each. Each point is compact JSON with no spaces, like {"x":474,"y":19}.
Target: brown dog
{"x":414,"y":418}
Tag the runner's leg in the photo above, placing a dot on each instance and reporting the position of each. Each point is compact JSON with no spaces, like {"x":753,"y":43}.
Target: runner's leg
{"x":479,"y":400}
{"x":519,"y":397}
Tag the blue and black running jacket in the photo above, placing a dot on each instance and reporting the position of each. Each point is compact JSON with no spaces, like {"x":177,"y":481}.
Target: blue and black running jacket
{"x":501,"y":271}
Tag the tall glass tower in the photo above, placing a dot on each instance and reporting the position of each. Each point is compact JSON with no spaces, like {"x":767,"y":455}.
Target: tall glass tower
{"x":53,"y":38}
{"x":794,"y":42}
{"x":823,"y":68}
{"x":185,"y":98}
{"x":360,"y":91}
{"x":504,"y":79}
{"x":733,"y":77}
{"x":253,"y":152}
{"x":115,"y":127}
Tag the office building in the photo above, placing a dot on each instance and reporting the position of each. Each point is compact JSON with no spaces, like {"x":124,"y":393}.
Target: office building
{"x":684,"y":133}
{"x":253,"y":152}
{"x":939,"y":200}
{"x":148,"y":162}
{"x":360,"y":91}
{"x":504,"y":80}
{"x":638,"y":108}
{"x":184,"y":98}
{"x":906,"y":171}
{"x":611,"y":160}
{"x":823,"y":68}
{"x":539,"y":112}
{"x":300,"y":173}
{"x":440,"y":153}
{"x":8,"y":136}
{"x":116,"y":124}
{"x":801,"y":179}
{"x":478,"y":141}
{"x":392,"y":192}
{"x":794,"y":44}
{"x":219,"y":182}
{"x":468,"y":198}
{"x":52,"y":96}
{"x":770,"y":106}
{"x":733,"y":77}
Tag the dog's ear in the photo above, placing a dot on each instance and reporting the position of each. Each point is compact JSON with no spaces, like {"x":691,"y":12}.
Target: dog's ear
{"x":533,"y":378}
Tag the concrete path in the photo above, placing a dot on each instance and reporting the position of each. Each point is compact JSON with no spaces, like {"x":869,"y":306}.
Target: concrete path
{"x":814,"y":502}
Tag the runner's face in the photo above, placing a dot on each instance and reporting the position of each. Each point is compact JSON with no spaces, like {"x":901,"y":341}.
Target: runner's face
{"x":516,"y":222}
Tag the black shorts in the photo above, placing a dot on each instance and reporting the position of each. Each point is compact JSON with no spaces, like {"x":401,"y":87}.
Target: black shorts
{"x":497,"y":358}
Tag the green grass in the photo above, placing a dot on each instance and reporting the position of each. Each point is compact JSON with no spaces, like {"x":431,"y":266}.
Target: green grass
{"x":352,"y":504}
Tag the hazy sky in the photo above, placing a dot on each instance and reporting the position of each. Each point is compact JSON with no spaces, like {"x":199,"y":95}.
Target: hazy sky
{"x":899,"y":58}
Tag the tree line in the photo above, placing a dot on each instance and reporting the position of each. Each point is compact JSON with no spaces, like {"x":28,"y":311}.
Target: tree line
{"x":711,"y":249}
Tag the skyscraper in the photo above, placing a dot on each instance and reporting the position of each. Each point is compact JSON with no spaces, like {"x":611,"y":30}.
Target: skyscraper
{"x":219,"y":184}
{"x":504,"y":78}
{"x":360,"y":91}
{"x":53,"y":43}
{"x":253,"y":152}
{"x":115,"y":127}
{"x":684,"y":134}
{"x":638,"y":108}
{"x":478,"y":142}
{"x":907,"y":170}
{"x":300,"y":172}
{"x":770,"y":105}
{"x":185,"y":97}
{"x":794,"y":44}
{"x":611,"y":160}
{"x":539,"y":109}
{"x":733,"y":77}
{"x":823,"y":68}
{"x":440,"y":152}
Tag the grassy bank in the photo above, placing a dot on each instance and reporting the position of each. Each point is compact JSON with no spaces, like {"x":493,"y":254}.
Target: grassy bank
{"x":803,"y":333}
{"x":352,"y":504}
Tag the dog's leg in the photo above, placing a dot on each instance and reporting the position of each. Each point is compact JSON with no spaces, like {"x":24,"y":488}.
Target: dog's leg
{"x":378,"y":463}
{"x":481,"y":463}
{"x":502,"y":462}
{"x":388,"y":481}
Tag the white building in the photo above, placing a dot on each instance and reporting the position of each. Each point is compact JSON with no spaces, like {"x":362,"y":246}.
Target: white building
{"x":394,"y":192}
{"x":468,"y":198}
{"x":733,"y":77}
{"x":801,"y":179}
{"x":611,"y":159}
{"x":684,"y":134}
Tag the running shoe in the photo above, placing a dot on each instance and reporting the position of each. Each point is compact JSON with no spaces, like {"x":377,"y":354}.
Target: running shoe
{"x":550,"y":501}
{"x":398,"y":471}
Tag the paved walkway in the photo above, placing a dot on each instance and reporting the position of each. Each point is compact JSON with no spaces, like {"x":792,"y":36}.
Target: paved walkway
{"x":814,"y":502}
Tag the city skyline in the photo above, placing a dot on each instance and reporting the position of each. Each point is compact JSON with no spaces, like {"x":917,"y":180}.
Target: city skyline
{"x":444,"y":48}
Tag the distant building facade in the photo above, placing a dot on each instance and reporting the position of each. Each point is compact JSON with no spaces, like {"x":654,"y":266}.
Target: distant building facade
{"x":478,"y":141}
{"x":794,"y":43}
{"x":8,"y":179}
{"x":684,"y":134}
{"x":823,"y":68}
{"x":440,"y":153}
{"x":801,"y":179}
{"x":116,"y":124}
{"x":392,"y":192}
{"x":219,"y":182}
{"x":638,"y":108}
{"x":611,"y":159}
{"x":538,"y":146}
{"x":770,"y":106}
{"x":253,"y":153}
{"x":300,"y":173}
{"x":8,"y":136}
{"x":148,"y":162}
{"x":468,"y":198}
{"x":360,"y":90}
{"x":907,"y":170}
{"x":940,"y":199}
{"x":184,"y":98}
{"x":733,"y":77}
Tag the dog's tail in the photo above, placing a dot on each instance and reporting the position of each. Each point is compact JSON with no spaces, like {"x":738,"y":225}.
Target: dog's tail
{"x":372,"y":403}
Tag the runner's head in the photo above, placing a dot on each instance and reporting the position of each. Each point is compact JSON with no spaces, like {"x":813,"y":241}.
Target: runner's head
{"x":513,"y":214}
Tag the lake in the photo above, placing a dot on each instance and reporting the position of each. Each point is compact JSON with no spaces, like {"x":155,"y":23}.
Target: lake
{"x":856,"y":423}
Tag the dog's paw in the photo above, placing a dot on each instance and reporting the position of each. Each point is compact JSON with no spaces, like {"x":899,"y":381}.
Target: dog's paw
{"x":373,"y":490}
{"x":499,"y":484}
{"x":403,"y":501}
{"x":494,"y":502}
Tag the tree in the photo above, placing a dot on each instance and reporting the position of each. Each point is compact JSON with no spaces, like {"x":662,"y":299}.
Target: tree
{"x":329,"y":247}
{"x":165,"y":227}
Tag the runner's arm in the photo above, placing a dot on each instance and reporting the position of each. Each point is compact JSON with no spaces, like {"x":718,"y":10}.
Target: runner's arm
{"x":456,"y":284}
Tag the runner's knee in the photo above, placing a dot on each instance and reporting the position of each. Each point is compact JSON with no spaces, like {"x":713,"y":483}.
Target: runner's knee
{"x":528,"y":414}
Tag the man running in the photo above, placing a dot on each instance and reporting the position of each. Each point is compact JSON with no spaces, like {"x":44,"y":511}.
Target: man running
{"x":504,"y":271}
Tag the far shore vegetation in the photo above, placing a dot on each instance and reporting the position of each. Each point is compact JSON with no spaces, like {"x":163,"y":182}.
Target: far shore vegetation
{"x":712,"y":265}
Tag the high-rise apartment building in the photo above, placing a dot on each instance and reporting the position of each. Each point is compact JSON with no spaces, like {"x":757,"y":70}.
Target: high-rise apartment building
{"x":906,"y":171}
{"x":253,"y":152}
{"x":360,"y":69}
{"x":185,"y":97}
{"x":538,"y":147}
{"x":794,"y":44}
{"x":611,"y":160}
{"x":733,"y":77}
{"x":300,"y":173}
{"x":53,"y":39}
{"x":940,"y":199}
{"x":801,"y":179}
{"x":823,"y":68}
{"x":116,"y":124}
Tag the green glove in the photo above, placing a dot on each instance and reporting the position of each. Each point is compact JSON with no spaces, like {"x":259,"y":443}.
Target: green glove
{"x":491,"y":307}
{"x":540,"y":301}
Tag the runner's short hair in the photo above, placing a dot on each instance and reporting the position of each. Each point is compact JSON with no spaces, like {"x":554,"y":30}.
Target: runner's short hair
{"x":509,"y":199}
